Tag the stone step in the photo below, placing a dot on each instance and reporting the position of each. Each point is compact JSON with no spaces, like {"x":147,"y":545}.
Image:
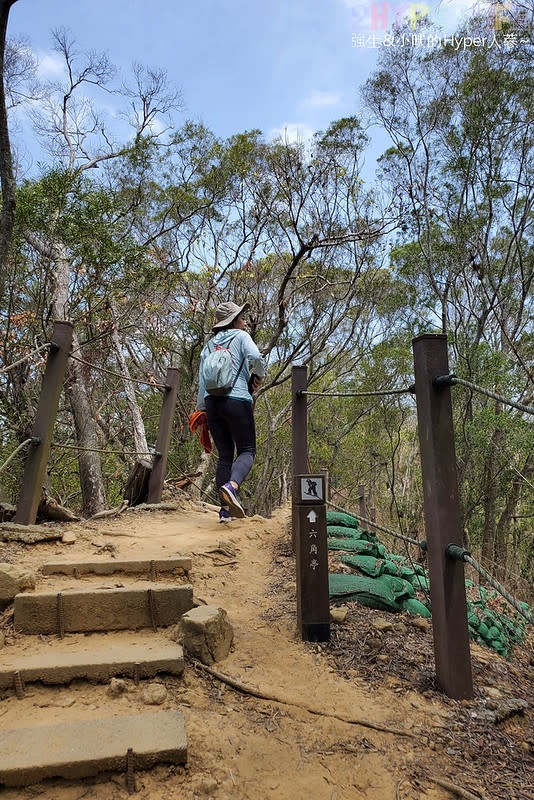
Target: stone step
{"x":152,"y":567}
{"x":133,"y":660}
{"x":105,"y":609}
{"x":81,"y":749}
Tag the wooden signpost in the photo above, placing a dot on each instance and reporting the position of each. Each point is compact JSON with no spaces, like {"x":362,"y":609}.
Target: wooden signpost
{"x":313,"y":601}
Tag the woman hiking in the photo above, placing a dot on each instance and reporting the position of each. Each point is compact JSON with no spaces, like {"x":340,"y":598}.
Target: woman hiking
{"x":231,"y":369}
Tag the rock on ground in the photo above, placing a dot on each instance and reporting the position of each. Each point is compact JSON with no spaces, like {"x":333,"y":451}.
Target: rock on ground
{"x":13,"y":580}
{"x":206,"y":633}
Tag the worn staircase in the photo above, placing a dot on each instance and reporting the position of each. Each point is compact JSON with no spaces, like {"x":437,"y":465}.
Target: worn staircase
{"x":146,"y":595}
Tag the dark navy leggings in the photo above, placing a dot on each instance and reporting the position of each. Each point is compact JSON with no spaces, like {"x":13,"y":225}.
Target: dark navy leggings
{"x":231,"y":424}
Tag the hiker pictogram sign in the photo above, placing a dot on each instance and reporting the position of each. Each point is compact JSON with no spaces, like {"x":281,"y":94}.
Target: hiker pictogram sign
{"x":312,"y":489}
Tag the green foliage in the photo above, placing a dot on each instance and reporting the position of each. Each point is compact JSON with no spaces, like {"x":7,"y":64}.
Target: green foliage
{"x":340,"y":276}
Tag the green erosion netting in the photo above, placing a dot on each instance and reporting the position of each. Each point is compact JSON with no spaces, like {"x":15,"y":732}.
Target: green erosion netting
{"x":388,"y":582}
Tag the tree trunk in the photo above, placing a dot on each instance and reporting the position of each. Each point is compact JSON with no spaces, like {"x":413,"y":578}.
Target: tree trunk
{"x":504,"y":525}
{"x":136,"y":489}
{"x":262,"y":499}
{"x":490,"y":500}
{"x":202,"y":468}
{"x":7,"y":179}
{"x":284,"y":490}
{"x":502,"y":531}
{"x":91,"y":481}
{"x":138,"y":426}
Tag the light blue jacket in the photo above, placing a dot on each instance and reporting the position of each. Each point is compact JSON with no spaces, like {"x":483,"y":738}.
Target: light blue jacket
{"x":243,"y":349}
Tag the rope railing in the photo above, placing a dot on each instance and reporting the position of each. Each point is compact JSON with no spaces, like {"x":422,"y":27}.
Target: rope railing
{"x":452,"y":380}
{"x":26,"y":357}
{"x":385,"y":393}
{"x":14,"y":453}
{"x":376,"y":525}
{"x":119,"y":374}
{"x":107,"y":452}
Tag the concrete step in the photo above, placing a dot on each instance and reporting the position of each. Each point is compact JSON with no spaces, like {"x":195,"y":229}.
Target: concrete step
{"x":80,"y":749}
{"x":132,"y":660}
{"x":105,"y":609}
{"x":179,"y":565}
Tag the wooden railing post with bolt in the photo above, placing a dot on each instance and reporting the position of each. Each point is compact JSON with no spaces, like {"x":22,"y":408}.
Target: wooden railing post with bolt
{"x":442,"y":517}
{"x":43,"y":425}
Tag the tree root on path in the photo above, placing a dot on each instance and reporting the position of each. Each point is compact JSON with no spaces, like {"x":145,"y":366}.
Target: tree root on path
{"x":457,"y":790}
{"x":110,"y":512}
{"x":242,"y":687}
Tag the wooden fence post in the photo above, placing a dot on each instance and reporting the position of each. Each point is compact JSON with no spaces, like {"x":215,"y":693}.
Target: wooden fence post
{"x":363,"y":505}
{"x":299,"y":433}
{"x":43,"y":425}
{"x":442,"y":517}
{"x":159,"y":466}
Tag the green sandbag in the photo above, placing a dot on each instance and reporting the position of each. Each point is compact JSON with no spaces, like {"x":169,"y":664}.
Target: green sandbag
{"x":369,"y":535}
{"x":391,"y":568}
{"x":473,"y":620}
{"x":483,"y":631}
{"x":399,"y":586}
{"x":370,"y":592}
{"x":357,"y":546}
{"x":401,"y":560}
{"x":409,"y":574}
{"x":416,"y":607}
{"x":420,"y":582}
{"x":344,"y":520}
{"x":367,"y":564}
{"x":340,"y":532}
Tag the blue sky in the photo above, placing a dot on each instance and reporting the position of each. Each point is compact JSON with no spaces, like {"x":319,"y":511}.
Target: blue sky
{"x":280,"y":66}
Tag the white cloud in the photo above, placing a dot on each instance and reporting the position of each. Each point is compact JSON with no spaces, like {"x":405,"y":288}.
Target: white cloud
{"x":50,"y":66}
{"x":157,"y":126}
{"x":291,"y":132}
{"x":318,"y":100}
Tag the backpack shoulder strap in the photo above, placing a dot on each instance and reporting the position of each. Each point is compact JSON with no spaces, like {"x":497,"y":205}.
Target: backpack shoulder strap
{"x":240,"y":366}
{"x":226,"y":344}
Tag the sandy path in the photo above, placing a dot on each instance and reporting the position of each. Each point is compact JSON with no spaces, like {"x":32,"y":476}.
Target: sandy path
{"x":240,"y":747}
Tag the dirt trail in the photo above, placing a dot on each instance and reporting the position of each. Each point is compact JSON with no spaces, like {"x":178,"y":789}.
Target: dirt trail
{"x":242,"y":747}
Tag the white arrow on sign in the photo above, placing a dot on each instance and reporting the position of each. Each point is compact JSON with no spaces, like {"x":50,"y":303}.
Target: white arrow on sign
{"x":312,"y":516}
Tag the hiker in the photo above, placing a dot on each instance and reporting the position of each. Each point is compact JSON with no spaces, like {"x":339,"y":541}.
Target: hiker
{"x":231,"y":369}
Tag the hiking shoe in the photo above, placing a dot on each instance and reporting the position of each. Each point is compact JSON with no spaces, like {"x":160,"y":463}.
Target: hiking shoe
{"x":229,"y":496}
{"x":224,"y":514}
